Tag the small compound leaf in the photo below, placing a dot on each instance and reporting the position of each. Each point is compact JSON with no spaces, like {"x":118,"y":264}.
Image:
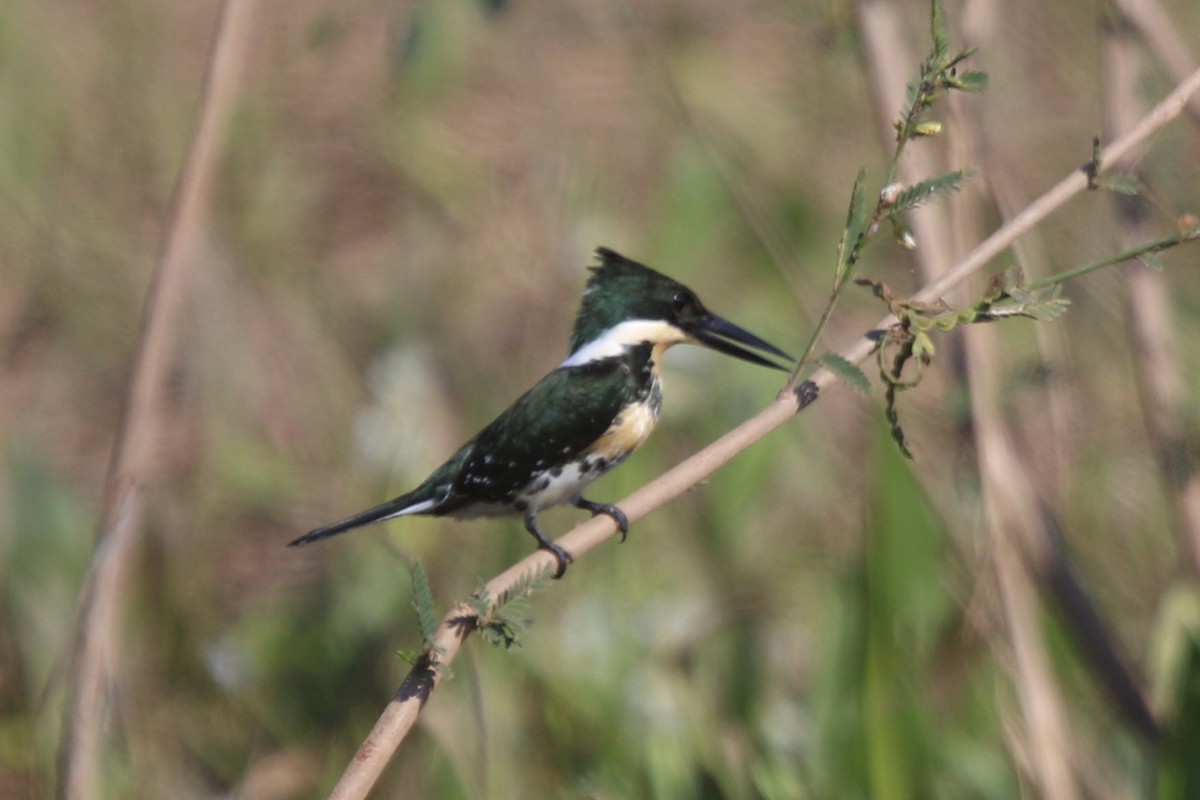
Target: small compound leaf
{"x":846,"y":372}
{"x":1153,"y":261}
{"x":938,"y":31}
{"x":921,"y":191}
{"x":423,"y":601}
{"x":1121,"y":184}
{"x":970,"y":81}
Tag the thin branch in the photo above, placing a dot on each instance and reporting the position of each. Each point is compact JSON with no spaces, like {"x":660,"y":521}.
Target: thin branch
{"x":398,"y":717}
{"x":1130,"y":253}
{"x":132,"y":466}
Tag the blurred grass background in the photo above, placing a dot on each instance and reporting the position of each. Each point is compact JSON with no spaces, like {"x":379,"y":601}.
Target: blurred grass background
{"x":408,"y":197}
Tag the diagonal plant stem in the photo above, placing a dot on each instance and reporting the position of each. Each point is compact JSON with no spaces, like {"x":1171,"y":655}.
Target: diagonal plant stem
{"x":402,"y":711}
{"x":1135,"y":251}
{"x":102,"y":600}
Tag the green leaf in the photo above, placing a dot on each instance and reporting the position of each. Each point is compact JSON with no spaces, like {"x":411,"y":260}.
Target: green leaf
{"x":1046,"y":310}
{"x":1179,"y":774}
{"x":1121,"y":184}
{"x":973,"y":81}
{"x":502,"y":631}
{"x":481,"y":599}
{"x":892,"y":414}
{"x":922,"y":345}
{"x":937,"y":29}
{"x":500,"y":625}
{"x":846,"y":372}
{"x":423,"y":601}
{"x":856,"y":213}
{"x":918,"y":193}
{"x":856,"y":227}
{"x":1152,"y":260}
{"x":1020,"y":296}
{"x":911,"y":92}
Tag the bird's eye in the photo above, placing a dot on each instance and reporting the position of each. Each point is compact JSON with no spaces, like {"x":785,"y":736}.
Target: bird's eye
{"x":680,"y":301}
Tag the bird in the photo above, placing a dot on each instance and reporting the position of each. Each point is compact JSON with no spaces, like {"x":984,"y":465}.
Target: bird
{"x":585,"y":417}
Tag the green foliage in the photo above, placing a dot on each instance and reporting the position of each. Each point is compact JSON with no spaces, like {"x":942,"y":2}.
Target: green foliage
{"x":948,"y":183}
{"x":908,"y":343}
{"x":938,"y":73}
{"x":1179,"y":774}
{"x":938,"y":33}
{"x":877,"y":729}
{"x":500,"y":622}
{"x":1175,"y":674}
{"x":423,"y":602}
{"x":846,"y":372}
{"x":1121,"y":184}
{"x":854,"y":236}
{"x":967,"y":81}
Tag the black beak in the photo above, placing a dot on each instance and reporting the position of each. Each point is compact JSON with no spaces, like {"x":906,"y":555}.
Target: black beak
{"x":719,"y":334}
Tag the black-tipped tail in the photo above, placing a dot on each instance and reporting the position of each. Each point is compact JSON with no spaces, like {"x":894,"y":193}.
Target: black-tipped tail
{"x":401,"y":506}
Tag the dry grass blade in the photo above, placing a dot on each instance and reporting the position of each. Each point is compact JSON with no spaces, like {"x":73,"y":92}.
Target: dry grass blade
{"x":1161,"y":35}
{"x":1018,"y":536}
{"x":132,"y":465}
{"x":1041,"y":702}
{"x":1150,"y":317}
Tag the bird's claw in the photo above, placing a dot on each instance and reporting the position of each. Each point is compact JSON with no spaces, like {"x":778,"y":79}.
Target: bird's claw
{"x":609,"y":510}
{"x":562,"y":556}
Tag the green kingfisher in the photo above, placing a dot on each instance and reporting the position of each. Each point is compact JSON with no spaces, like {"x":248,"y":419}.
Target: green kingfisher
{"x":581,"y":420}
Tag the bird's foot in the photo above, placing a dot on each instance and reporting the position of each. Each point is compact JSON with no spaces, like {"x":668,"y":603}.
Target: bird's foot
{"x":563,"y":557}
{"x":618,"y":516}
{"x":559,"y":553}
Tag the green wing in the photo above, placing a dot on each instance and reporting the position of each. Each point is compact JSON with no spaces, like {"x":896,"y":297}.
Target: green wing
{"x":560,"y":417}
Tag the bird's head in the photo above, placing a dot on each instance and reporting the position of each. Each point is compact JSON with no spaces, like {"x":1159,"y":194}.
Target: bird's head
{"x":627,"y":304}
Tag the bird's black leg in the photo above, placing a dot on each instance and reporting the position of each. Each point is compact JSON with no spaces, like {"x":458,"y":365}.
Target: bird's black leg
{"x":610,"y":510}
{"x":562,"y":555}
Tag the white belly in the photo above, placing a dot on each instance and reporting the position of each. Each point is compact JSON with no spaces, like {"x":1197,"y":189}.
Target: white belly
{"x":564,"y":483}
{"x":550,"y":489}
